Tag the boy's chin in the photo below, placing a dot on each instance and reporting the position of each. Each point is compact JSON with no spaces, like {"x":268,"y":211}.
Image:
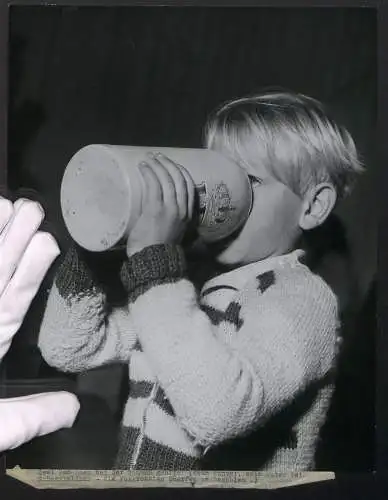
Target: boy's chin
{"x":227,"y":253}
{"x":233,"y":256}
{"x":229,"y":258}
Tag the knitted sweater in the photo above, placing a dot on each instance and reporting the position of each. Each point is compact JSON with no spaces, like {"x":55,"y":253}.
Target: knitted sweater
{"x":237,"y":378}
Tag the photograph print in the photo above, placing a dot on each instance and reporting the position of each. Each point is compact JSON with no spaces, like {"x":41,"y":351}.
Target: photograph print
{"x":207,"y":175}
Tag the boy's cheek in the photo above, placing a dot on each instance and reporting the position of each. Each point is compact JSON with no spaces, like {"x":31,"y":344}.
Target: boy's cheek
{"x":265,"y":234}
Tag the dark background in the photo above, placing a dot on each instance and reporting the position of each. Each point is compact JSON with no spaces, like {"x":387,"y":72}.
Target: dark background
{"x":151,"y":76}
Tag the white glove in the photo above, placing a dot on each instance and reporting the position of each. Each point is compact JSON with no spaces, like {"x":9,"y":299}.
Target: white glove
{"x":26,"y":254}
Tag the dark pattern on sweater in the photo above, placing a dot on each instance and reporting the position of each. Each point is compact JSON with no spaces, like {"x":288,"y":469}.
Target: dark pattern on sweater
{"x":126,"y":445}
{"x":231,"y":314}
{"x":216,"y":288}
{"x":137,"y":346}
{"x":154,"y":265}
{"x":155,"y":456}
{"x":292,"y":440}
{"x":74,"y":276}
{"x":254,"y":451}
{"x":152,"y":455}
{"x":140,"y":389}
{"x":162,"y":401}
{"x":265,"y":280}
{"x":143,"y":389}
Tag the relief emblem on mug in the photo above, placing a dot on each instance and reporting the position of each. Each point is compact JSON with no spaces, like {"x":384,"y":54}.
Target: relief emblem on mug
{"x":218,"y":208}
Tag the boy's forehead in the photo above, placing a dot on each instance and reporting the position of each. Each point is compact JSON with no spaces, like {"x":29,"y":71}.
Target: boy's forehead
{"x":257,"y":170}
{"x":254,"y":166}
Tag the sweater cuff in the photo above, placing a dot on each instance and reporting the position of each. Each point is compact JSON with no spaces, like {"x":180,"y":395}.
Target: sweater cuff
{"x":154,"y":265}
{"x":74,"y":276}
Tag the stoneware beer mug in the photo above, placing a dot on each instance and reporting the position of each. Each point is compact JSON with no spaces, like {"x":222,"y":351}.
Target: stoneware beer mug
{"x":102,"y":189}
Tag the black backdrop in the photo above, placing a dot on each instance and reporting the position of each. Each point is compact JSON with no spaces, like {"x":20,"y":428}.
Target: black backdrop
{"x":151,"y":75}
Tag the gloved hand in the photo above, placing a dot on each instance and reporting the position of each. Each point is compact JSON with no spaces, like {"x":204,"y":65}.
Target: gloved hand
{"x":26,"y":254}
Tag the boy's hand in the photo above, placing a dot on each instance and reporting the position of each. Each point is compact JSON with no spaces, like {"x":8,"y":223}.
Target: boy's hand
{"x":168,"y":200}
{"x":26,"y":254}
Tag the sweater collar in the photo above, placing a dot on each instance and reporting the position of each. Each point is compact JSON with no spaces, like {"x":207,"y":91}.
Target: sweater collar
{"x":238,"y":277}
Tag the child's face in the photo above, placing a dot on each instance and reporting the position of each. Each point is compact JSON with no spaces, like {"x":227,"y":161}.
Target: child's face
{"x":272,"y":227}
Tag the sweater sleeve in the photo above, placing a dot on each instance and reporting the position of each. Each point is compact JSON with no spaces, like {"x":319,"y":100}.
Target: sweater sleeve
{"x":222,"y":385}
{"x":77,"y":331}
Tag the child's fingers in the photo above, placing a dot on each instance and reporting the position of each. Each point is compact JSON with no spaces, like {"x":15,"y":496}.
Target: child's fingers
{"x":27,"y":417}
{"x":165,"y":179}
{"x":153,"y":194}
{"x":190,"y":189}
{"x":26,"y":220}
{"x":179,"y":180}
{"x":6,"y":212}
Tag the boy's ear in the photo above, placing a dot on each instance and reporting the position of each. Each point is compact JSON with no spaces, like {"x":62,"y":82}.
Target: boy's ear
{"x":318,"y":204}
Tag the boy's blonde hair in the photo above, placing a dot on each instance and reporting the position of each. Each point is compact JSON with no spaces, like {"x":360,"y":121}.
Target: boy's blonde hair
{"x":291,"y":135}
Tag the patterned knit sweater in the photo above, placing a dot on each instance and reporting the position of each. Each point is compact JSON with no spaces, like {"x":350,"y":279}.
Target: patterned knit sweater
{"x":237,"y":378}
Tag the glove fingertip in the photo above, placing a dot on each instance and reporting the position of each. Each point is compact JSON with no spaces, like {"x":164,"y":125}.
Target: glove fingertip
{"x":71,"y":405}
{"x":46,"y":241}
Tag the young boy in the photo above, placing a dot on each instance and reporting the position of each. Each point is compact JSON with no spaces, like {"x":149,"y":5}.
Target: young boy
{"x":241,"y":375}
